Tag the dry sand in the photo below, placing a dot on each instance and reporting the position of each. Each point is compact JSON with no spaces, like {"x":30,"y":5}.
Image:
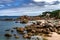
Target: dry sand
{"x":55,"y":36}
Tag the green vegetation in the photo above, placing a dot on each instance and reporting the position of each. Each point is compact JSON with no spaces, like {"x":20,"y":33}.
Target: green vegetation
{"x":55,"y":14}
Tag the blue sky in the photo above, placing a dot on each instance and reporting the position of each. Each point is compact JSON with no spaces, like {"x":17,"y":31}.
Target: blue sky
{"x":27,"y":7}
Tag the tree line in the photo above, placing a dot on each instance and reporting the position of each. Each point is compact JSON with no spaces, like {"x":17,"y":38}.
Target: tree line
{"x":55,"y":13}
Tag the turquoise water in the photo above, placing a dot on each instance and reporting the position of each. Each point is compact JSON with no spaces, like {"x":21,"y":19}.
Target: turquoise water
{"x":9,"y":25}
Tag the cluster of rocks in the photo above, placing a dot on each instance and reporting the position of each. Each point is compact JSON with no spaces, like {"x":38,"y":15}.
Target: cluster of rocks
{"x":24,"y":21}
{"x":25,"y":18}
{"x":8,"y":34}
{"x":40,"y":28}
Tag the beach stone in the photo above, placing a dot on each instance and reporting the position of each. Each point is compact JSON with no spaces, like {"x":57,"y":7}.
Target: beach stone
{"x":29,"y":29}
{"x":51,"y":29}
{"x":8,"y":35}
{"x":38,"y":23}
{"x":33,"y":31}
{"x":20,"y":29}
{"x":16,"y":37}
{"x":14,"y":34}
{"x":58,"y":32}
{"x":25,"y":35}
{"x":24,"y":21}
{"x":12,"y":30}
{"x":49,"y":35}
{"x":30,"y":33}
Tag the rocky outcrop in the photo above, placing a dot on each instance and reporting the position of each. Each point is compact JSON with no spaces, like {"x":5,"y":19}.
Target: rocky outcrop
{"x":24,"y":21}
{"x":40,"y":28}
{"x":25,"y":18}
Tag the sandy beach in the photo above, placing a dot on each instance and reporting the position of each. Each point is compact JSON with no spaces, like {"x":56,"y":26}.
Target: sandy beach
{"x":55,"y":36}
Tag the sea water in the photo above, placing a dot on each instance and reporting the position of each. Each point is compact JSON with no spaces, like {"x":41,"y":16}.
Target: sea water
{"x":9,"y":25}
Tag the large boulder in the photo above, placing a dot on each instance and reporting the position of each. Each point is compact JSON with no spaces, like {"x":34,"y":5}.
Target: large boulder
{"x":20,"y":29}
{"x":24,"y":21}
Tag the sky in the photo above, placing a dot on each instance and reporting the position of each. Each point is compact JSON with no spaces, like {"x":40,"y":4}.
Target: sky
{"x":27,"y":7}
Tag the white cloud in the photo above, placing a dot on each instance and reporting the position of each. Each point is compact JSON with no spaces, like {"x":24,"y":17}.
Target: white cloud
{"x":58,"y":0}
{"x":47,"y":2}
{"x":30,"y":4}
{"x":44,"y":0}
{"x":32,"y":10}
{"x":37,"y":0}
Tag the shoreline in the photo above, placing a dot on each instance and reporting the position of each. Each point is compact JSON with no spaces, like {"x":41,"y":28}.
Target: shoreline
{"x":55,"y":36}
{"x":38,"y":27}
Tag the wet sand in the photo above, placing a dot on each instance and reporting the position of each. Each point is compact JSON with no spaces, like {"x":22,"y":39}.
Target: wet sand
{"x":55,"y":36}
